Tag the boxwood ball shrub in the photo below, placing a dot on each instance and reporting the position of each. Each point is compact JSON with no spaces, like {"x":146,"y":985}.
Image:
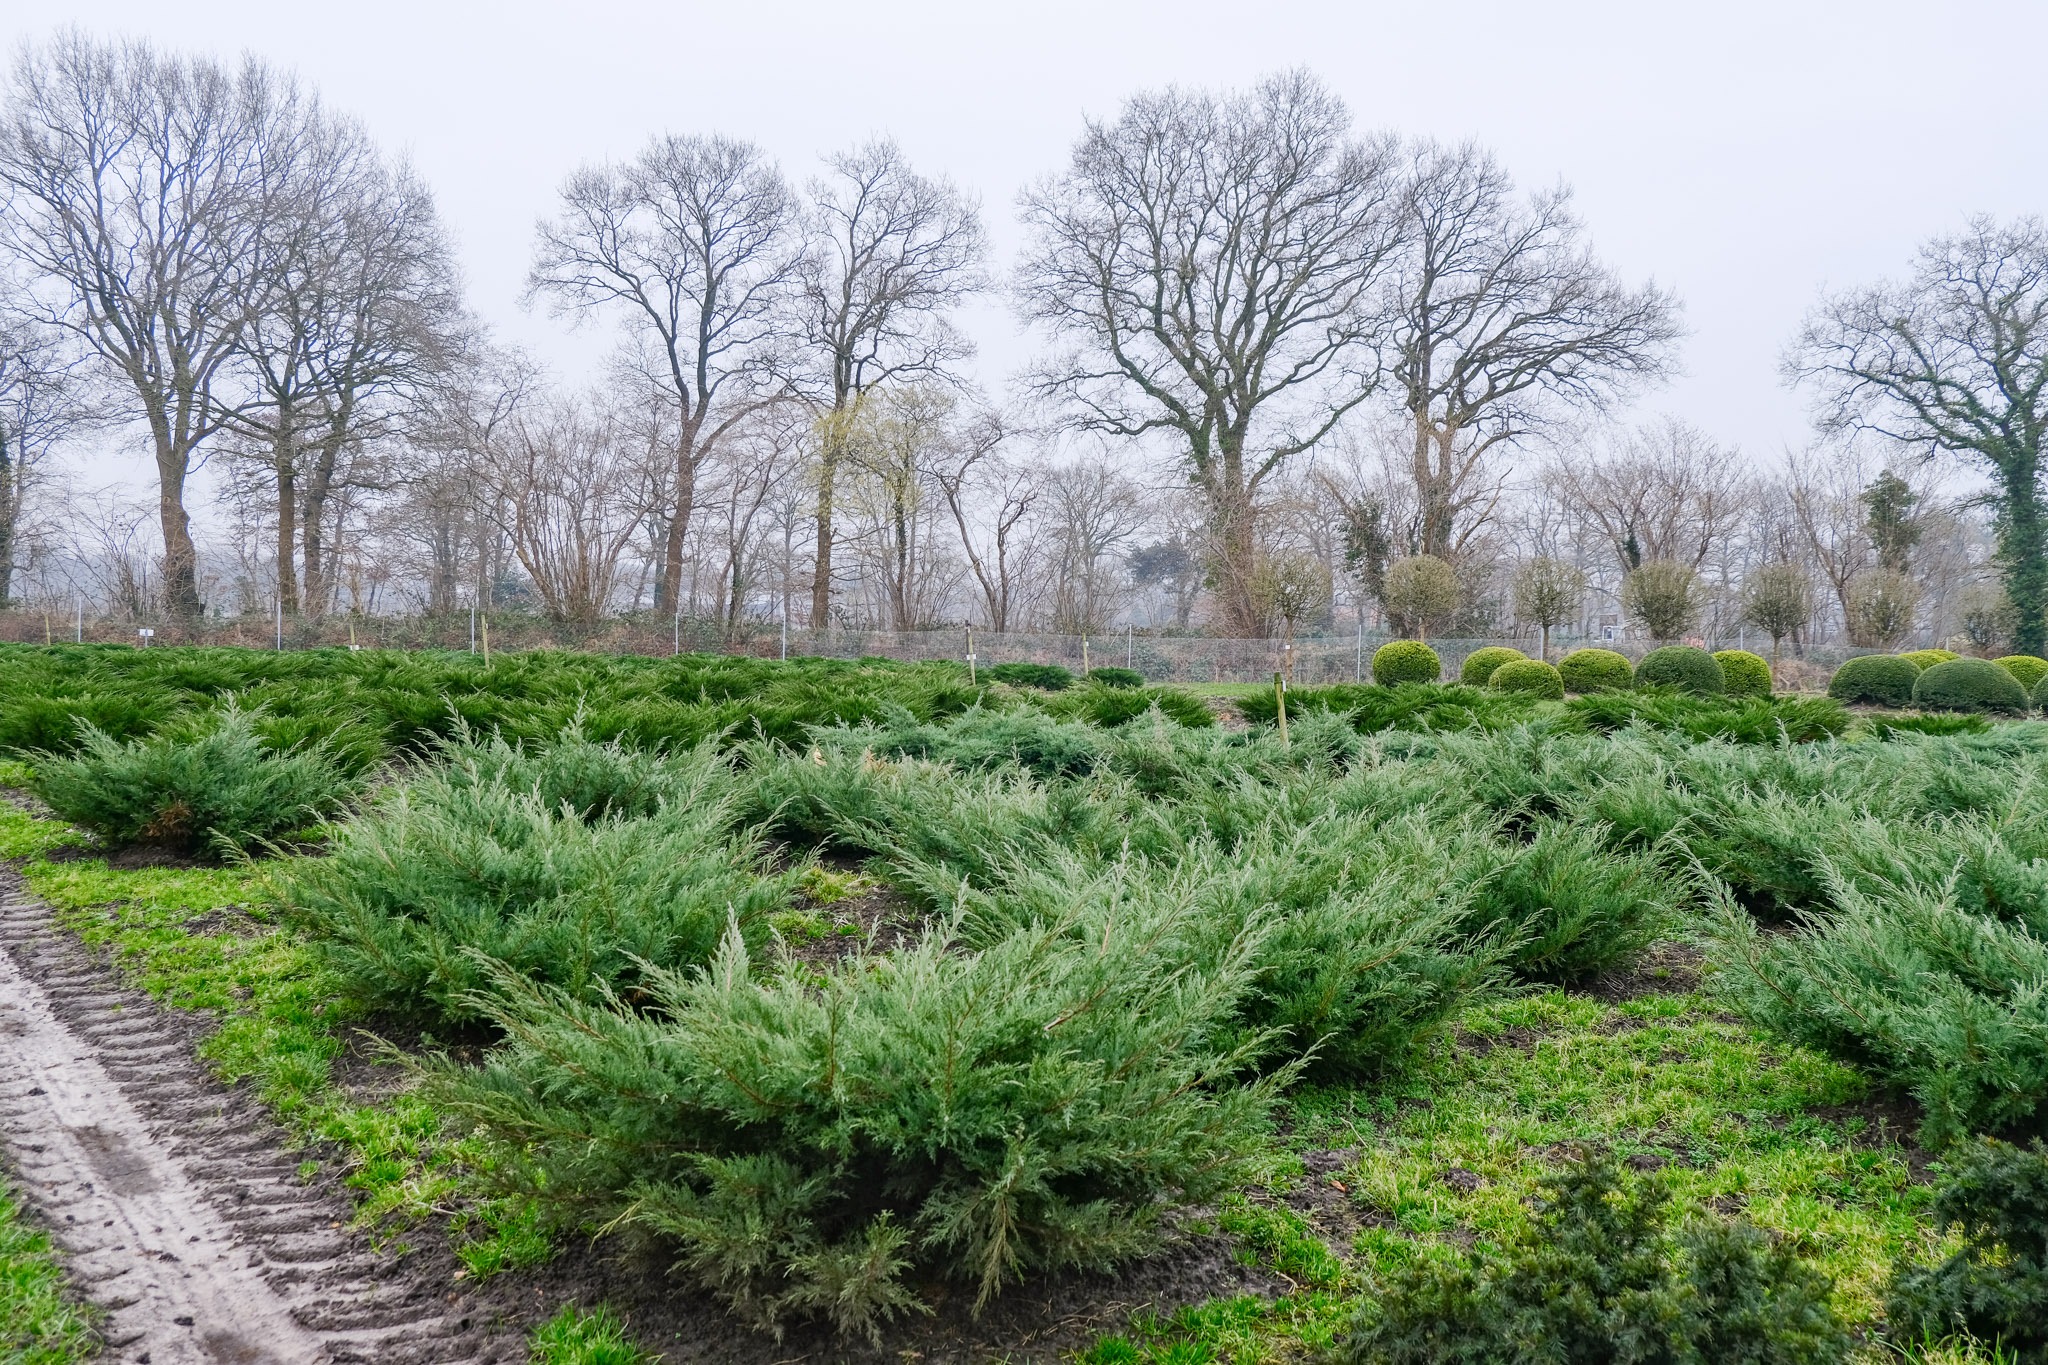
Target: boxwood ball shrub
{"x":1925,"y":659}
{"x":1478,"y":667}
{"x":1405,"y":661}
{"x":1116,"y":677}
{"x":1683,"y":667}
{"x":1528,"y":675}
{"x":1045,"y":677}
{"x":1969,"y":685}
{"x":1596,"y":670}
{"x":1744,"y":674}
{"x":2027,"y":668}
{"x":1875,"y":679}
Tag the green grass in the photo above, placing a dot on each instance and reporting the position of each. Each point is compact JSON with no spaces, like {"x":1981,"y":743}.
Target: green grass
{"x":574,"y":1337}
{"x":1734,"y":1118}
{"x":38,"y":1325}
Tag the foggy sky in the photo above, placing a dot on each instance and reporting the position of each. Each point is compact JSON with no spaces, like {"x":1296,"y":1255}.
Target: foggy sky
{"x":1745,"y":154}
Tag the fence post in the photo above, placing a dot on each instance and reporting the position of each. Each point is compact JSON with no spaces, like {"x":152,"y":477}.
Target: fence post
{"x":81,"y":618}
{"x":1280,"y":705}
{"x":486,"y":618}
{"x":1358,"y":668}
{"x":472,"y":627}
{"x":1130,"y":643}
{"x":970,"y":656}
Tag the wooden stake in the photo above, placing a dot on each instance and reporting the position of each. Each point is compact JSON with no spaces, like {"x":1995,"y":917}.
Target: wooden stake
{"x":1280,"y":702}
{"x":970,"y":656}
{"x":486,"y":619}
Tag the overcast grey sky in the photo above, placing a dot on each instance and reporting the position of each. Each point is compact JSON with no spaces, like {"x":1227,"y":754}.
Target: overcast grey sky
{"x":1744,"y":153}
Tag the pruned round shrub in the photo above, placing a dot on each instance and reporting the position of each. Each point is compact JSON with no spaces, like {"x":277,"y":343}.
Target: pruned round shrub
{"x":1875,"y":679}
{"x":1116,"y":677}
{"x":1528,"y":675}
{"x":1405,"y":661}
{"x":1045,"y":677}
{"x":1969,"y":685}
{"x":1596,"y":670}
{"x":1477,"y":670}
{"x":2026,"y":667}
{"x":1744,"y":674}
{"x":1684,"y":667}
{"x":1924,"y":659}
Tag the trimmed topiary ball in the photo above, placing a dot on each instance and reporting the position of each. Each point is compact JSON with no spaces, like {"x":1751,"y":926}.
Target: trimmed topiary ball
{"x":1596,"y":670}
{"x":1969,"y":685}
{"x":1744,"y":674}
{"x":1400,"y":661}
{"x":1924,"y":659}
{"x":1528,"y":675}
{"x":1480,"y":663}
{"x":1116,"y":677}
{"x":1684,"y":667}
{"x":1875,"y":679}
{"x":2026,"y":667}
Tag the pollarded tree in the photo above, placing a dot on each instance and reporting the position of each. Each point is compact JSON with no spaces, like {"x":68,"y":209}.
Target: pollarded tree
{"x":1420,"y":592}
{"x":1548,"y":592}
{"x":1294,"y":587}
{"x":1211,"y":263}
{"x":1954,"y":359}
{"x":1777,"y":599}
{"x":1664,"y":596}
{"x":1500,"y":308}
{"x":1881,"y":608}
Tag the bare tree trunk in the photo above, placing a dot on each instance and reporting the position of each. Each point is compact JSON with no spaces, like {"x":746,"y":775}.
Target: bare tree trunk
{"x":821,"y":571}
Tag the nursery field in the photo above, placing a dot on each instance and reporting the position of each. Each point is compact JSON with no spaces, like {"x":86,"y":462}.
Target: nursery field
{"x":719,"y":1009}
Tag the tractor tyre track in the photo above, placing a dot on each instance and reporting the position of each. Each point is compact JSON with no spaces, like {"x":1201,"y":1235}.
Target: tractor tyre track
{"x":177,"y":1202}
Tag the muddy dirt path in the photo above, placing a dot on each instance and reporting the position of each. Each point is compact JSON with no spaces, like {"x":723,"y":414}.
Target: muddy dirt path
{"x":178,"y":1205}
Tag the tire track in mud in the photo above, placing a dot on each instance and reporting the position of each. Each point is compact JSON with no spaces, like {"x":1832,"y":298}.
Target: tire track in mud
{"x":179,"y":1208}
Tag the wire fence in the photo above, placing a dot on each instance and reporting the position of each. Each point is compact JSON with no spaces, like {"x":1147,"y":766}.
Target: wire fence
{"x":1311,"y":660}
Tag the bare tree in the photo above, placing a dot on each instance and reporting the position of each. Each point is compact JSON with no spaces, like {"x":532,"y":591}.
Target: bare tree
{"x":991,"y":499}
{"x":138,"y":195}
{"x":566,"y":492}
{"x":890,"y":253}
{"x":359,"y":318}
{"x":1954,"y":360}
{"x":1089,"y":511}
{"x":1500,"y":309}
{"x":1665,"y":490}
{"x":891,"y":457}
{"x":1209,"y":262}
{"x":694,"y":242}
{"x":41,"y":404}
